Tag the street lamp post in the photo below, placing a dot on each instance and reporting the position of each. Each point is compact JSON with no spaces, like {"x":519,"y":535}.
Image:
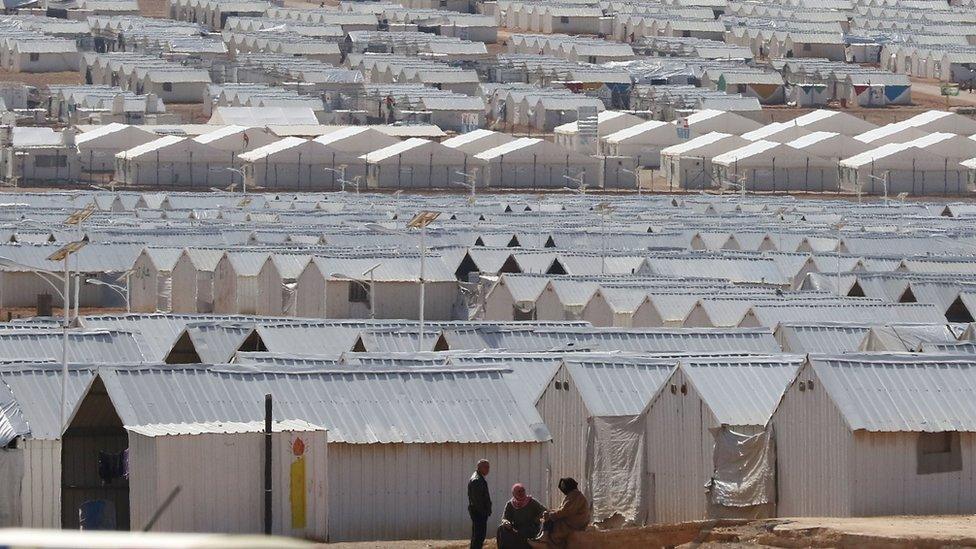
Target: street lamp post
{"x":341,"y":172}
{"x":372,"y":294}
{"x":580,"y":183}
{"x":420,"y":221}
{"x":604,"y":209}
{"x":124,"y":292}
{"x":77,"y":219}
{"x":837,"y":227}
{"x":61,"y":255}
{"x":470,"y":183}
{"x":884,"y":182}
{"x":241,"y":173}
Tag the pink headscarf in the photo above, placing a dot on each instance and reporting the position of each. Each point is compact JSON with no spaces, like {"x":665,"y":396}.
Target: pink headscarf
{"x":519,"y":498}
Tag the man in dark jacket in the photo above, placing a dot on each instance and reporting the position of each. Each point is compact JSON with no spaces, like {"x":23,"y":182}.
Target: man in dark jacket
{"x":479,"y":504}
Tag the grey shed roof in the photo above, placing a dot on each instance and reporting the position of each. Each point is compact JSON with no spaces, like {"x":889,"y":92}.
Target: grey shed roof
{"x":910,"y":392}
{"x":361,"y":407}
{"x":159,"y":331}
{"x":618,"y":386}
{"x":529,"y":373}
{"x":742,"y":391}
{"x":822,"y":338}
{"x":36,"y":388}
{"x":94,"y":347}
{"x":217,"y":342}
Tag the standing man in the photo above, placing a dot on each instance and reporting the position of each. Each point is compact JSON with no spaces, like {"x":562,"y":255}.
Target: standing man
{"x":479,"y":504}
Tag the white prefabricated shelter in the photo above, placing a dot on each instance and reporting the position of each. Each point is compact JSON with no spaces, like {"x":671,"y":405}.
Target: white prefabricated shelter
{"x":192,"y":280}
{"x":830,"y":145}
{"x":942,"y":121}
{"x":235,"y":282}
{"x":416,"y":163}
{"x":175,"y":84}
{"x":197,"y":457}
{"x":590,"y":406}
{"x":174,"y":161}
{"x":325,"y":290}
{"x":290,"y":163}
{"x":31,"y":494}
{"x":880,"y":434}
{"x":235,"y":140}
{"x":49,"y":54}
{"x":822,"y":120}
{"x":150,"y":281}
{"x":380,"y":423}
{"x":98,"y":147}
{"x":779,"y":132}
{"x":688,"y":165}
{"x":532,"y":163}
{"x":769,"y":166}
{"x":711,"y":120}
{"x":513,"y":298}
{"x":708,"y":455}
{"x":478,"y":141}
{"x":548,"y":112}
{"x":901,"y":167}
{"x":622,"y":307}
{"x":344,"y":149}
{"x":607,"y":122}
{"x":276,"y":284}
{"x":38,"y":154}
{"x":642,"y":141}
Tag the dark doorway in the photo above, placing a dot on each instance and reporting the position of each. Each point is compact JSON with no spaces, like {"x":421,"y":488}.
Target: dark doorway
{"x":94,"y":439}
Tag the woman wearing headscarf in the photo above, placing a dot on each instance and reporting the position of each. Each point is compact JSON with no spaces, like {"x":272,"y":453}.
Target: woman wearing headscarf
{"x":521,"y":522}
{"x":572,"y":516}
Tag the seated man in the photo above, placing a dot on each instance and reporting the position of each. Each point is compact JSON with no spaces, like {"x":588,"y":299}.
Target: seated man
{"x":572,"y":516}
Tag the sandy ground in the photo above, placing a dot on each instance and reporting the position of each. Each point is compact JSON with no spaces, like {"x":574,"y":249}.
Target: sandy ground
{"x":961,"y":529}
{"x":153,"y":8}
{"x":875,"y":532}
{"x":41,"y":80}
{"x":29,"y":312}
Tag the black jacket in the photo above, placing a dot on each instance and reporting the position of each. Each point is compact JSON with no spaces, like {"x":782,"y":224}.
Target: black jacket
{"x":479,"y":500}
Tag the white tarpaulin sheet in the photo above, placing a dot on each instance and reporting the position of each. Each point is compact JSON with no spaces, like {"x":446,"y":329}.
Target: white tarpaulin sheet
{"x":615,"y":468}
{"x":11,"y":471}
{"x":745,"y":469}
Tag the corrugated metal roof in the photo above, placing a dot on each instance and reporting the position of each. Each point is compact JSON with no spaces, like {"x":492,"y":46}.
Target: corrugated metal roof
{"x":888,"y":393}
{"x":822,"y":338}
{"x":90,"y":347}
{"x":618,"y":387}
{"x":37,"y":391}
{"x":356,"y":407}
{"x":742,"y":391}
{"x":217,"y":427}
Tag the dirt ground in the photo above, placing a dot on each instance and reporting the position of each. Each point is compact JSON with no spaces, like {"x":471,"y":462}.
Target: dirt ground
{"x":8,"y":313}
{"x":874,"y":532}
{"x":153,"y":8}
{"x":42,"y":80}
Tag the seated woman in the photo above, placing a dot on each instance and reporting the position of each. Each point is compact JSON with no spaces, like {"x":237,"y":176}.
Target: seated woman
{"x":521,"y":522}
{"x":572,"y":516}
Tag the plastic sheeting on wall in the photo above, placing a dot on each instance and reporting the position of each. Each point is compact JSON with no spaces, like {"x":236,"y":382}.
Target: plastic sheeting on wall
{"x":615,"y":468}
{"x":745,"y":469}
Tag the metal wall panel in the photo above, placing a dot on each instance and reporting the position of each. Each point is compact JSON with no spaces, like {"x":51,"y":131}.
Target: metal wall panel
{"x":814,"y":453}
{"x":417,"y":491}
{"x":565,"y":413}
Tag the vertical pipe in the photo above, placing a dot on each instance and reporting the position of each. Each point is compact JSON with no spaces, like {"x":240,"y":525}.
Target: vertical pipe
{"x":423,"y":264}
{"x":66,"y":312}
{"x":267,"y":464}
